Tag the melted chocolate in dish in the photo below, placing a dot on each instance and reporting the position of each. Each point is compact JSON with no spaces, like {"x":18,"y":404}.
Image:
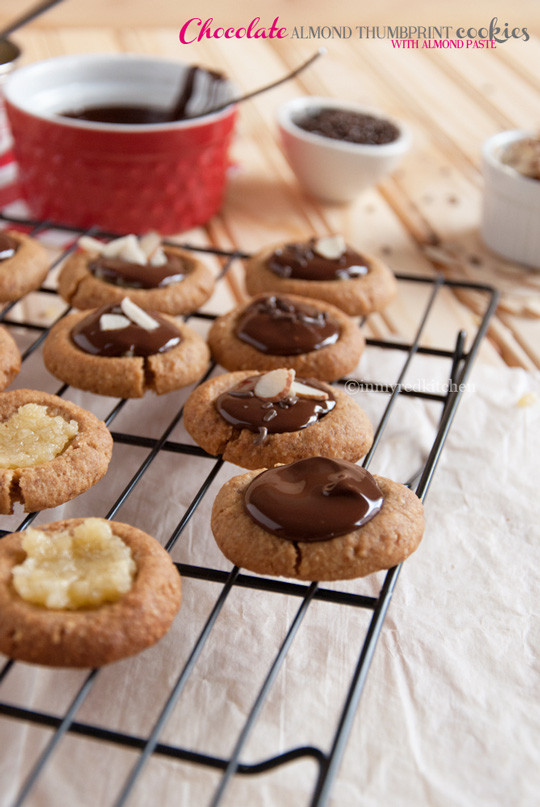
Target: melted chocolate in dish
{"x":241,"y":407}
{"x":281,"y":327}
{"x":353,"y":127}
{"x":136,"y":114}
{"x":132,"y":340}
{"x":315,"y":499}
{"x":8,"y":246}
{"x":301,"y":261}
{"x":140,"y":276}
{"x":120,"y":114}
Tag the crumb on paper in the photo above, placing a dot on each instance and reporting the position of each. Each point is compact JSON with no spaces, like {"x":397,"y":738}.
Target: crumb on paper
{"x":528,"y":399}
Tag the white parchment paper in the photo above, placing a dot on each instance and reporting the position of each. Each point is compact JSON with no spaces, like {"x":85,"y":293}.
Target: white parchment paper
{"x":450,"y":714}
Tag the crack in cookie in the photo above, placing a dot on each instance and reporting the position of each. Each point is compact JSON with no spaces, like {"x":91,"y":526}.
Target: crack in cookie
{"x":387,"y":538}
{"x":340,"y":428}
{"x":124,"y":359}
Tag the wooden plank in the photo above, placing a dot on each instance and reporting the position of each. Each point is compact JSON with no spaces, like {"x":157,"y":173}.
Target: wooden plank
{"x":493,"y":85}
{"x":434,"y":198}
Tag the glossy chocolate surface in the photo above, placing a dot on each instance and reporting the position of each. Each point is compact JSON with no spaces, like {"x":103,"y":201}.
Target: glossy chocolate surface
{"x":132,"y":340}
{"x":138,"y":276}
{"x":280,"y":327}
{"x":121,"y":113}
{"x":241,"y":407}
{"x":315,"y":499}
{"x":8,"y":246}
{"x":302,"y":262}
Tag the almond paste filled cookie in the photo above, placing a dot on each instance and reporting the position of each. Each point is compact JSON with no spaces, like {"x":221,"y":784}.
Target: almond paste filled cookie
{"x":24,"y":264}
{"x":316,"y":519}
{"x":258,"y":420}
{"x":325,"y":269}
{"x":51,"y":450}
{"x":10,"y":358}
{"x":315,"y":339}
{"x":84,"y":592}
{"x":122,"y":350}
{"x":154,"y":276}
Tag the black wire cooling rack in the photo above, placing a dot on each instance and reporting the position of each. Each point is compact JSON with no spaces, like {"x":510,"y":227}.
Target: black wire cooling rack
{"x":64,"y":727}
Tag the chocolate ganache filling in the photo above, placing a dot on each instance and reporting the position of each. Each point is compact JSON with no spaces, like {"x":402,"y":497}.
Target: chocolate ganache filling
{"x":241,"y":407}
{"x":133,"y":340}
{"x":205,"y":92}
{"x":302,"y":262}
{"x":315,"y":499}
{"x":8,"y":246}
{"x":140,"y":276}
{"x":281,"y":327}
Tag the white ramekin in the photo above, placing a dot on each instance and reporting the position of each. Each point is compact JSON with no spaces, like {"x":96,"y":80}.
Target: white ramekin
{"x":511,"y":208}
{"x":335,"y":170}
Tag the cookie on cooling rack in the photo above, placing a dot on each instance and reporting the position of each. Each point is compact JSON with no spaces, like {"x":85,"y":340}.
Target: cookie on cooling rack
{"x":155,"y":276}
{"x":124,"y":351}
{"x":314,"y":338}
{"x":326,"y":269}
{"x":24,"y":264}
{"x":51,"y":450}
{"x":84,"y":592}
{"x":316,"y":519}
{"x":10,"y":358}
{"x":257,"y":420}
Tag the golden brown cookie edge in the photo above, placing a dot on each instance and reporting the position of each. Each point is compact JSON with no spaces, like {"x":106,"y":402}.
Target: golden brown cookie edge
{"x":125,"y":377}
{"x":84,"y":291}
{"x":388,"y":539}
{"x":10,"y":358}
{"x":327,"y":364}
{"x":90,"y":637}
{"x":81,"y":465}
{"x":17,"y":280}
{"x":354,"y":296}
{"x":344,"y":433}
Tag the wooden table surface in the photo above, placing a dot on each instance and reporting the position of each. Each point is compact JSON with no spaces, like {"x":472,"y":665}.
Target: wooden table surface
{"x":424,"y":218}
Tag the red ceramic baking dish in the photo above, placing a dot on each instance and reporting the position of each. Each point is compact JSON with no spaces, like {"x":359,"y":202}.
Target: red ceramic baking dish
{"x":165,"y":177}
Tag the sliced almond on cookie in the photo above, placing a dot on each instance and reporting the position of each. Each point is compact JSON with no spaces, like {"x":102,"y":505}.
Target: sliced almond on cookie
{"x":112,"y":248}
{"x":90,"y":244}
{"x":332,"y":247}
{"x":275,"y":385}
{"x":113,"y":322}
{"x":131,"y":251}
{"x":137,"y":315}
{"x":126,"y":248}
{"x":158,"y":258}
{"x":149,"y":243}
{"x":151,"y":246}
{"x":306,"y":391}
